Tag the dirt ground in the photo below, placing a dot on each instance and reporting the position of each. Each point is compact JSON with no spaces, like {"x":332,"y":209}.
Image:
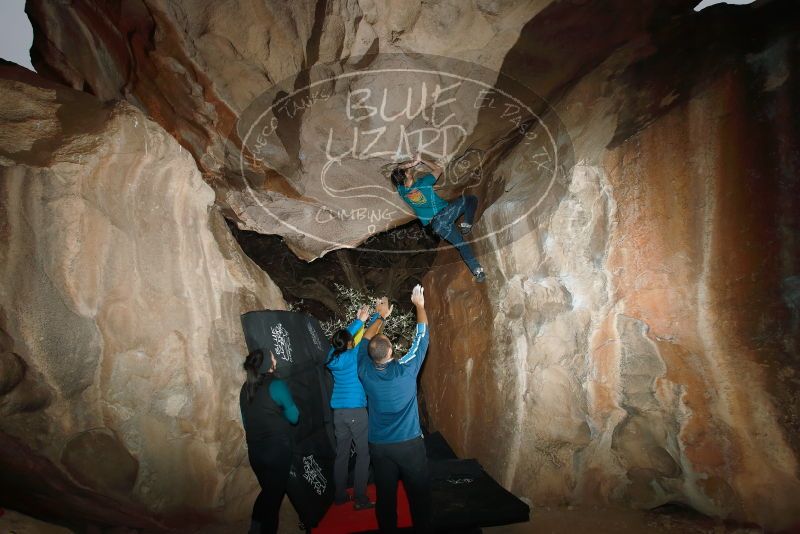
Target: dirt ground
{"x":12,"y":522}
{"x":594,"y":520}
{"x":544,"y":520}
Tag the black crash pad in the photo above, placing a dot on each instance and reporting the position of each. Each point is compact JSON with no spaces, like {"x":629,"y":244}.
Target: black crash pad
{"x":301,"y":348}
{"x":465,"y":496}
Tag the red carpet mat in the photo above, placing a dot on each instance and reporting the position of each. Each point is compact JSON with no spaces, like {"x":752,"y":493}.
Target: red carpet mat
{"x":343,"y":519}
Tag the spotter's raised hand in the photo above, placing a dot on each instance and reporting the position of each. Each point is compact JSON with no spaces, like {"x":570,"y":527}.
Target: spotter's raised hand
{"x":418,"y":296}
{"x":383,"y":308}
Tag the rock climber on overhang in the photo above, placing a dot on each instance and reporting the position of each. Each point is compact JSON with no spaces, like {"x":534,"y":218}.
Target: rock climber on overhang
{"x":433,"y":210}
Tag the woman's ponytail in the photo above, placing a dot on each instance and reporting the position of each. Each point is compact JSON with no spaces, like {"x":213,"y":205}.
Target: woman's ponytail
{"x":252,"y":364}
{"x":340,"y":341}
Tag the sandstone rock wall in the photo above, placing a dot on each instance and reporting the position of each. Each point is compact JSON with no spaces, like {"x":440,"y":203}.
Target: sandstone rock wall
{"x":119,"y":319}
{"x":637,"y":340}
{"x":196,"y":67}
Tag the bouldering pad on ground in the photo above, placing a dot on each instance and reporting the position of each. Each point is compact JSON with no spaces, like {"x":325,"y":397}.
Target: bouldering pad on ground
{"x":464,"y":499}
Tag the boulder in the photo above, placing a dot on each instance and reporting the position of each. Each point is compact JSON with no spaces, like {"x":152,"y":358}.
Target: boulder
{"x":635,"y":342}
{"x":207,"y":71}
{"x":120,"y":343}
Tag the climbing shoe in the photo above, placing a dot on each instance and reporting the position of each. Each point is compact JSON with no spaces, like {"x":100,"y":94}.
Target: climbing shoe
{"x":465,"y":228}
{"x":347,"y":499}
{"x":480,"y":276}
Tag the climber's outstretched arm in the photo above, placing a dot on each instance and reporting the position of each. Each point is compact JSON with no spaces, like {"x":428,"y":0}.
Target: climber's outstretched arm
{"x":436,"y":170}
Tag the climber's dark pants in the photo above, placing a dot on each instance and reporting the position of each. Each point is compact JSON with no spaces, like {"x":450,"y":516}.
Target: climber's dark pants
{"x":406,"y":461}
{"x":444,"y":224}
{"x":271,"y":461}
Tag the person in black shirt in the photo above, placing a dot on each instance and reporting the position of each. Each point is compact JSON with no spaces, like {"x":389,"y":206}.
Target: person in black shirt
{"x":268,"y":413}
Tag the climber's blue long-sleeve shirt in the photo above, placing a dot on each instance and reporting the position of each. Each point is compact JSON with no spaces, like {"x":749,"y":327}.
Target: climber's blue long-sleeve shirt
{"x":392,"y":391}
{"x":347,"y":390}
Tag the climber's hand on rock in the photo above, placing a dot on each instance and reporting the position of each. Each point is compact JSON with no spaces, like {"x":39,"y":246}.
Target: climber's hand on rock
{"x":363,"y":313}
{"x":410,"y":164}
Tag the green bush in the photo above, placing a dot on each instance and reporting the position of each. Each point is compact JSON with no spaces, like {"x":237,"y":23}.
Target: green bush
{"x":399,"y":327}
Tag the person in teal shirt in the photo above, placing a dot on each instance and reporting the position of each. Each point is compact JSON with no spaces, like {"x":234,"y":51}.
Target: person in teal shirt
{"x":268,"y":415}
{"x":433,"y":210}
{"x":349,"y":404}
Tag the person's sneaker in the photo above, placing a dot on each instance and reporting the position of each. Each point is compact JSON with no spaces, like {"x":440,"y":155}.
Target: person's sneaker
{"x":465,"y":228}
{"x":480,"y":276}
{"x":363,"y":505}
{"x":347,"y":499}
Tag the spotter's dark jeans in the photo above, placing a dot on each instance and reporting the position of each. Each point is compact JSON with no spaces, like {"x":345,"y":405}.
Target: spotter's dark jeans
{"x":406,"y":461}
